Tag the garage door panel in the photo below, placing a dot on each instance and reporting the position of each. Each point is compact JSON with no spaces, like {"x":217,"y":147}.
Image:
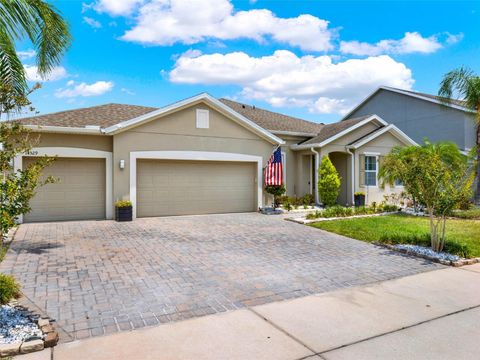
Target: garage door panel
{"x":194,"y":187}
{"x":79,"y":194}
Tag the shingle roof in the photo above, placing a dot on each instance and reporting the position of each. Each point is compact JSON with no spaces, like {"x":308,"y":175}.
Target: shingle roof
{"x":330,"y":130}
{"x":273,"y":121}
{"x":435,"y":97}
{"x":101,"y":115}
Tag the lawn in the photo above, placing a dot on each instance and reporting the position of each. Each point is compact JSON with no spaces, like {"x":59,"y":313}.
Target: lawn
{"x":380,"y":228}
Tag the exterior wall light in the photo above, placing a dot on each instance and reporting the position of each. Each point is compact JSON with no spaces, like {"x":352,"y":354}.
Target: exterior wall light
{"x":122,"y":164}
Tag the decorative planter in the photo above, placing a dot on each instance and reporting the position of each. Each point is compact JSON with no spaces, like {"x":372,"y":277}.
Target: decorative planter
{"x":359,"y":200}
{"x":123,"y":213}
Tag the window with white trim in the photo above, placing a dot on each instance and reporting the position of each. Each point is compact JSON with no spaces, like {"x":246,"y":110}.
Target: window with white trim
{"x":203,"y":119}
{"x":371,"y":170}
{"x":284,"y":168}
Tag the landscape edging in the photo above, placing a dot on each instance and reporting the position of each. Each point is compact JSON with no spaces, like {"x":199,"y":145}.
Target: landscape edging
{"x":458,"y":263}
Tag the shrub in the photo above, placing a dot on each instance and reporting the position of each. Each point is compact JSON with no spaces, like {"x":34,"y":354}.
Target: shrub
{"x":308,"y":199}
{"x":359,"y":193}
{"x":317,"y":214}
{"x":328,"y":183}
{"x":335,"y":211}
{"x":9,"y":289}
{"x":123,"y":203}
{"x":467,"y":214}
{"x":390,"y":208}
{"x":456,"y":248}
{"x":287,"y":205}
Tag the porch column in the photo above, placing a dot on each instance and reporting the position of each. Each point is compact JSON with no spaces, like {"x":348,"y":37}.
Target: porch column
{"x":315,"y":176}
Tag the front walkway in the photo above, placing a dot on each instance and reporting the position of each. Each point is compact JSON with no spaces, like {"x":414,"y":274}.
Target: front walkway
{"x":100,"y":277}
{"x":433,"y":315}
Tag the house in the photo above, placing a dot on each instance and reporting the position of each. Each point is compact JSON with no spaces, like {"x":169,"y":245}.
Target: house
{"x":421,"y":115}
{"x":199,"y":155}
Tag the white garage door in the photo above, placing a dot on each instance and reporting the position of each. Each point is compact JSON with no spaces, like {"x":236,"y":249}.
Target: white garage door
{"x":194,"y":187}
{"x":78,"y":195}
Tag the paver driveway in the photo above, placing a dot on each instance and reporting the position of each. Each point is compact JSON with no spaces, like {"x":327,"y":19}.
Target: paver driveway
{"x":97,"y":277}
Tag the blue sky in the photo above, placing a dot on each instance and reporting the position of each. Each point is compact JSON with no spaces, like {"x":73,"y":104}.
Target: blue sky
{"x":311,"y":59}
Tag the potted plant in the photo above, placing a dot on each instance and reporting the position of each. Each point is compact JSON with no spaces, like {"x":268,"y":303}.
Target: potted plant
{"x":123,"y":210}
{"x":359,"y":198}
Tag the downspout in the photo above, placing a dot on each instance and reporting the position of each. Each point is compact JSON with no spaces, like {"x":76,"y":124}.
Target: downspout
{"x":352,"y":169}
{"x":317,"y":159}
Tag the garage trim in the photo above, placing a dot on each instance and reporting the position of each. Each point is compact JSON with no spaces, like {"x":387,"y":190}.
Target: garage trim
{"x":190,"y":155}
{"x":76,"y":153}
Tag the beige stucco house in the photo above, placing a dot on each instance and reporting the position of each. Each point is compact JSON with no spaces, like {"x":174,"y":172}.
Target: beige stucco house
{"x":199,"y":155}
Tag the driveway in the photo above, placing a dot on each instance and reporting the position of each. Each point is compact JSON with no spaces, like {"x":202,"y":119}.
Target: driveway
{"x":101,"y":277}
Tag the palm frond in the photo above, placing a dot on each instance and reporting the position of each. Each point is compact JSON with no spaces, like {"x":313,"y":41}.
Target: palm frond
{"x":12,"y":72}
{"x":39,"y":22}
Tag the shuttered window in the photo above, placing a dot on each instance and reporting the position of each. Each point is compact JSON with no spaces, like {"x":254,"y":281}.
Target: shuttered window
{"x":371,"y":170}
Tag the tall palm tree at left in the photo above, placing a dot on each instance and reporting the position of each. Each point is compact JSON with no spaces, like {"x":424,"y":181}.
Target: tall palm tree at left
{"x":41,"y":24}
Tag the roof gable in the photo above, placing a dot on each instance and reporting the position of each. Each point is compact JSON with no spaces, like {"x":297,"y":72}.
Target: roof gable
{"x":331,"y":132}
{"x":392,"y":129}
{"x":207,"y":99}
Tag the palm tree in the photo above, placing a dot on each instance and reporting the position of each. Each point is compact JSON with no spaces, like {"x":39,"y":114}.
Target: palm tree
{"x":42,"y":25}
{"x":466,"y":85}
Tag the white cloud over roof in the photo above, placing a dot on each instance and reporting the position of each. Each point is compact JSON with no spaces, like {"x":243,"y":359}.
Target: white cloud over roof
{"x":285,"y":79}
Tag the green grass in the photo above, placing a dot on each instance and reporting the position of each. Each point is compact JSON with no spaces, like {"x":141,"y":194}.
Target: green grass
{"x":409,"y":229}
{"x":3,"y":251}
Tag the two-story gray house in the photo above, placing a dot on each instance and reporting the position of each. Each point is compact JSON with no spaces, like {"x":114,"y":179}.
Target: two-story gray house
{"x":421,"y":115}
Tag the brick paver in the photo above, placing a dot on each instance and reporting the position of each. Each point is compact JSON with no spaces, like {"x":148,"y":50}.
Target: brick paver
{"x":100,"y":277}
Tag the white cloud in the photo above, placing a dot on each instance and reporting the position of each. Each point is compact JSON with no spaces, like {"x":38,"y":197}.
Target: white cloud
{"x":412,"y":42}
{"x":32,"y":74}
{"x":127,"y":91}
{"x":92,"y":22}
{"x":453,"y":38}
{"x":26,"y":54}
{"x":117,"y":7}
{"x":84,"y":89}
{"x":284,"y":79}
{"x":165,"y":22}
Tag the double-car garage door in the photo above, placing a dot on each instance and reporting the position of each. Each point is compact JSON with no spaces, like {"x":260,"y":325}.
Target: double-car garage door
{"x":194,"y":187}
{"x":79,"y":193}
{"x":163,"y":188}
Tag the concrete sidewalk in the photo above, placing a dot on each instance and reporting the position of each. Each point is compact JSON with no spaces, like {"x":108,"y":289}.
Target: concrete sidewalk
{"x":433,"y":315}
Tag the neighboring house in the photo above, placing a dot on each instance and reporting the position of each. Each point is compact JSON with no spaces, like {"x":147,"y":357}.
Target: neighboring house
{"x":421,"y":116}
{"x":197,"y":156}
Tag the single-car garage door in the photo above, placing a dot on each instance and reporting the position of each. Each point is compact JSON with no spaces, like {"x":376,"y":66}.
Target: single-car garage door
{"x":194,"y":187}
{"x":78,"y":195}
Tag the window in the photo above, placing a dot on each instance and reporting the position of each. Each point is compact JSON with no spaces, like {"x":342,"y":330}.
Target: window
{"x":202,"y":119}
{"x":370,"y":171}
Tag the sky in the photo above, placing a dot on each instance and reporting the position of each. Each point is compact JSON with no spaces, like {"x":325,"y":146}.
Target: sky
{"x":310,"y":59}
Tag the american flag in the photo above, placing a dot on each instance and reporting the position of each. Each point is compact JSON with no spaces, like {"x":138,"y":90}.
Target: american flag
{"x":274,"y":169}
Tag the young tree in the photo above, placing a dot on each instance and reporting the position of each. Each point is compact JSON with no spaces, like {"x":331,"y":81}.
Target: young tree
{"x":17,"y":188}
{"x":438,"y":176}
{"x":466,"y":84}
{"x":328,"y":182}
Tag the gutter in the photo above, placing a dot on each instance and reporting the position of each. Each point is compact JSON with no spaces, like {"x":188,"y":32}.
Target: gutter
{"x":92,"y":130}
